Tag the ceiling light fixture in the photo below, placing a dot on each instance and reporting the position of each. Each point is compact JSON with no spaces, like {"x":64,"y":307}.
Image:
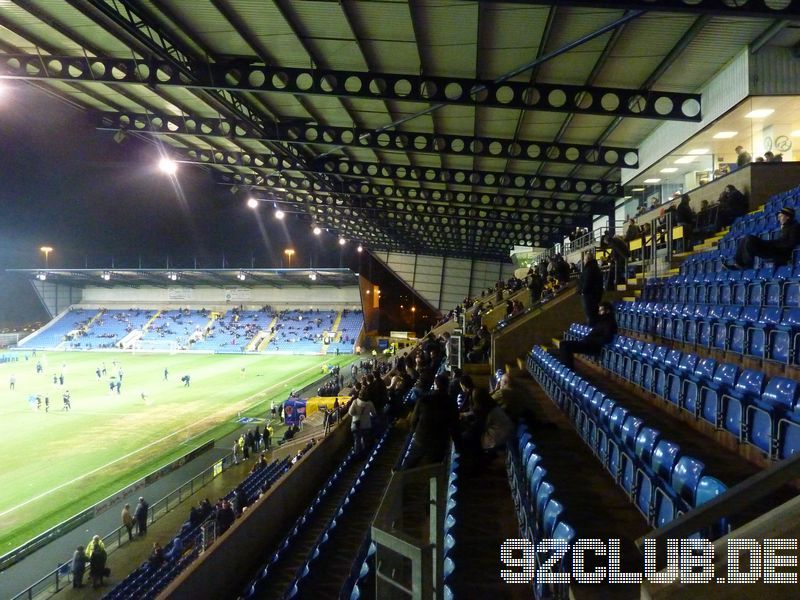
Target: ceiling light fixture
{"x":685,"y":160}
{"x":669,"y":170}
{"x":759,"y":113}
{"x":252,"y":203}
{"x":279,"y":214}
{"x":168,"y":166}
{"x":651,"y":180}
{"x":699,"y":151}
{"x":725,"y":135}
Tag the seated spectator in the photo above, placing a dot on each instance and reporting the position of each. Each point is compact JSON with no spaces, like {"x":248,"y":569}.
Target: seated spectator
{"x":156,"y":558}
{"x":632,"y":230}
{"x":480,"y":348}
{"x":175,"y":550}
{"x":601,"y":334}
{"x":779,"y":250}
{"x":732,"y":205}
{"x":511,"y":398}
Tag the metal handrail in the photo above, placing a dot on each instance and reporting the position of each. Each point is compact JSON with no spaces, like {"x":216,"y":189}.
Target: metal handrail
{"x":57,"y":579}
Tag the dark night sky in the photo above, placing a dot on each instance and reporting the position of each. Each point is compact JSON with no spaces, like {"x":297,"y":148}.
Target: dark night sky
{"x":69,"y":186}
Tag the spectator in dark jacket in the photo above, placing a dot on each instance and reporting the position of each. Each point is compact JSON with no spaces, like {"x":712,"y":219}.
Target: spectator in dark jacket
{"x":732,"y":205}
{"x":225,"y":517}
{"x":600,"y":335}
{"x":535,"y":285}
{"x":779,"y":250}
{"x":632,"y":231}
{"x":590,"y":286}
{"x":435,"y":421}
{"x":619,"y":258}
{"x":78,"y":567}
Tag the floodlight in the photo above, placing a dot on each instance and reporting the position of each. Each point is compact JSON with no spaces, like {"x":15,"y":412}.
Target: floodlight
{"x":360,"y":248}
{"x":168,"y":166}
{"x":279,"y":214}
{"x":317,"y":230}
{"x":240,"y":276}
{"x":106,"y":275}
{"x":312,"y":276}
{"x":252,"y":203}
{"x":41,"y":276}
{"x":342,"y":241}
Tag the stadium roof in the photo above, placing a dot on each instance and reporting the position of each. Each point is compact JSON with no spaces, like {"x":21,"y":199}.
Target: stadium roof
{"x":277,"y":278}
{"x":433,"y":126}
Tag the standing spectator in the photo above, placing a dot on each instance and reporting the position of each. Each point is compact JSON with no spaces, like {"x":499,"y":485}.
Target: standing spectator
{"x":140,"y":515}
{"x":619,"y":258}
{"x":685,"y":217}
{"x":225,"y":517}
{"x":127,"y":521}
{"x":601,"y":334}
{"x":590,"y":286}
{"x":743,"y":157}
{"x":96,"y":553}
{"x":78,"y":567}
{"x":535,"y":286}
{"x":435,"y":421}
{"x":362,"y":412}
{"x":779,"y":251}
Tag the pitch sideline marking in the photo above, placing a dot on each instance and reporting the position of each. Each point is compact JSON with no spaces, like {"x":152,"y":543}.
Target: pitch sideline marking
{"x":93,"y":471}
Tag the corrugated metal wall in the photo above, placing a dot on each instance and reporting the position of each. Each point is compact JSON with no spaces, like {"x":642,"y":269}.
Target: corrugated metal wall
{"x":774,"y":71}
{"x":444,"y":282}
{"x":729,"y":87}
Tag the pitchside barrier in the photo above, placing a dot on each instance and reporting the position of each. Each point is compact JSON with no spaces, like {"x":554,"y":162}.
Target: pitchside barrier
{"x":82,"y":517}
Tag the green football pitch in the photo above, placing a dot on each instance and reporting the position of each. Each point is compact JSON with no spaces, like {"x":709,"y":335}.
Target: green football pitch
{"x":56,"y":462}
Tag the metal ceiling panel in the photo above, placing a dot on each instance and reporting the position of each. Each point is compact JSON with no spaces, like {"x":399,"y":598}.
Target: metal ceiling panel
{"x":717,"y":44}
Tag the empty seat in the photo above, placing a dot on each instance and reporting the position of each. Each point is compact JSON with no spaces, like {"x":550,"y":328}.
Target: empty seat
{"x":749,"y":386}
{"x":762,"y":416}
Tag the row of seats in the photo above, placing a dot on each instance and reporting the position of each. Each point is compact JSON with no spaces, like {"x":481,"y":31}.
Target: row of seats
{"x":364,"y":563}
{"x":538,"y":512}
{"x":52,"y":335}
{"x":754,"y":409}
{"x":304,"y":570}
{"x":146,"y":582}
{"x":765,"y":286}
{"x":768,"y":333}
{"x":262,"y":579}
{"x":658,"y":479}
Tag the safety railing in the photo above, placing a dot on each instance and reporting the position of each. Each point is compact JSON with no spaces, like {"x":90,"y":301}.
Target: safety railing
{"x":408,"y":532}
{"x":60,"y":578}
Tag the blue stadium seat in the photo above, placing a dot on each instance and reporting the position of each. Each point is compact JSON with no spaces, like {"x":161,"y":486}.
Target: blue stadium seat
{"x":709,"y":488}
{"x":782,"y":338}
{"x":645,"y":445}
{"x":711,"y":393}
{"x":692,"y":382}
{"x":762,"y":416}
{"x":737,"y":331}
{"x":628,"y":436}
{"x":748,"y":388}
{"x":774,"y":288}
{"x":685,"y":478}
